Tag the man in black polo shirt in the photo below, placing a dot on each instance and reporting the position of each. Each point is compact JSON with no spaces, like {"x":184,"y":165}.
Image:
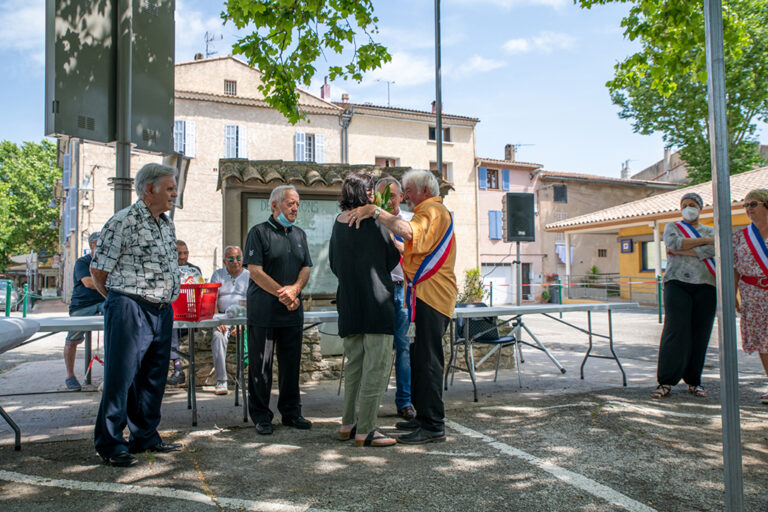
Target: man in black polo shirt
{"x":278,"y":261}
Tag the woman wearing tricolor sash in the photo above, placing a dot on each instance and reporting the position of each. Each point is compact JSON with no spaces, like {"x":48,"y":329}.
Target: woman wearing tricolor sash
{"x":750,"y":262}
{"x":689,"y":300}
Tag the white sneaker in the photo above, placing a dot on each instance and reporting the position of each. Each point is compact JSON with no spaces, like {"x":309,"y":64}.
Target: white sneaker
{"x":221,"y":387}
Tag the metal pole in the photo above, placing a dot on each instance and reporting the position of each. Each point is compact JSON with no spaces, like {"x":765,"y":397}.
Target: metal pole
{"x":8,"y":298}
{"x":518,"y":276}
{"x":438,"y":93}
{"x":491,"y":292}
{"x":26,"y":300}
{"x":659,"y":299}
{"x":726,"y":300}
{"x":122,"y":181}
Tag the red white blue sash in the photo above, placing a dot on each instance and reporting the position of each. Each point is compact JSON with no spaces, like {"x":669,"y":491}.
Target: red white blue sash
{"x":689,"y":231}
{"x":757,"y":247}
{"x":427,"y":269}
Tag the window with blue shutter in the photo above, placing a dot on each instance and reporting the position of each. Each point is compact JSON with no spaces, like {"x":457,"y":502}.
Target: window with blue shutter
{"x":505,"y":179}
{"x":482,"y":174}
{"x":494,"y":224}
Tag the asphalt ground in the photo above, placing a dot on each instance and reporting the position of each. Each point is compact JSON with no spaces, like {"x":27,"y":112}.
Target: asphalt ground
{"x":558,"y":443}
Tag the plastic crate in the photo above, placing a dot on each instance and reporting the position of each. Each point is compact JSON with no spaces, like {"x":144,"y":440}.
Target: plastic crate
{"x":196,"y":302}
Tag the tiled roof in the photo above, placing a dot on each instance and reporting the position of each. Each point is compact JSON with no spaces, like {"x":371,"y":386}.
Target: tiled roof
{"x":309,"y":174}
{"x":510,"y":163}
{"x":572,"y":176}
{"x":251,"y":102}
{"x":664,"y":204}
{"x":396,"y":110}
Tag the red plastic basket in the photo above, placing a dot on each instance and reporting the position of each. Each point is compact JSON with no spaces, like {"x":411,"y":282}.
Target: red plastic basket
{"x":196,"y":302}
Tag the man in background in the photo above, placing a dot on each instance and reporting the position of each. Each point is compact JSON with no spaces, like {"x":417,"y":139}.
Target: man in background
{"x":187,"y":272}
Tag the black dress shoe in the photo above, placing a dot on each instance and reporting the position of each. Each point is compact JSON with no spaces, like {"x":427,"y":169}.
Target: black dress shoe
{"x":264,"y":428}
{"x":408,"y":425}
{"x":298,"y":422}
{"x":422,"y":436}
{"x":122,"y":460}
{"x":160,"y":447}
{"x":407,"y":413}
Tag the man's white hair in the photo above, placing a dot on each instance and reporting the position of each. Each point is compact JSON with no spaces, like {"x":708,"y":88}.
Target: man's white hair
{"x":389,"y":180}
{"x":278,"y":193}
{"x":232,"y":247}
{"x":151,"y":174}
{"x":422,"y":178}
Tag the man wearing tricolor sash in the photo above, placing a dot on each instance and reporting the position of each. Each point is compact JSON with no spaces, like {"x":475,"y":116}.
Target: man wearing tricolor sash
{"x":689,"y":300}
{"x":428,"y":262}
{"x":750,"y":263}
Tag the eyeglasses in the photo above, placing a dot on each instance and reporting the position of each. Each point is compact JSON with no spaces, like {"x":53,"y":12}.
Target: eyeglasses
{"x":238,"y":258}
{"x":752,"y":204}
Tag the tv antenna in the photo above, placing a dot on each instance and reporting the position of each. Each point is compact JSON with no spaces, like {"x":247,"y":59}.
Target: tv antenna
{"x":389,"y":82}
{"x":210,"y":37}
{"x":515,"y":148}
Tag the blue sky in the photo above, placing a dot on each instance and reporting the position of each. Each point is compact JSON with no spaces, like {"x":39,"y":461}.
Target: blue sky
{"x":532,"y":71}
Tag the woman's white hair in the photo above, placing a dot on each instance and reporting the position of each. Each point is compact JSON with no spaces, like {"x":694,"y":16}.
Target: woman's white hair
{"x":151,"y":174}
{"x":421,"y":178}
{"x":278,"y":193}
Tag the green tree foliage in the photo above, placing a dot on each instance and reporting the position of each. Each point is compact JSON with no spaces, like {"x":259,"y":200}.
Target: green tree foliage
{"x":473,"y":287}
{"x":663,"y":87}
{"x":290,"y":35}
{"x":27,"y":177}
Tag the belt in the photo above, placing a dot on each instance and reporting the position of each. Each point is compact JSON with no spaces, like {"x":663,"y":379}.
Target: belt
{"x":397,"y":283}
{"x":759,"y":281}
{"x":144,"y":302}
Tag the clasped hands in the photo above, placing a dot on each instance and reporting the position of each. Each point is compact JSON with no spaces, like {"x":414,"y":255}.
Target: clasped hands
{"x":289,"y":297}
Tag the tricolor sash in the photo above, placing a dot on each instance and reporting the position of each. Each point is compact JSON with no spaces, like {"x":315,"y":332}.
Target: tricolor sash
{"x":689,"y":231}
{"x":427,"y":269}
{"x":757,"y":247}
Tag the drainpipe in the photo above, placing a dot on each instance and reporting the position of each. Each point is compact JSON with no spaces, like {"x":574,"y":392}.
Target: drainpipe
{"x":346,"y":118}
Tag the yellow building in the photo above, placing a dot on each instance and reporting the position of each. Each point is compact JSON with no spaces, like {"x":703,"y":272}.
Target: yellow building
{"x":638,"y":227}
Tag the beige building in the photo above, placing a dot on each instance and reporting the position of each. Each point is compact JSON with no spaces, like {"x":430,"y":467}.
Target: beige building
{"x":220,"y":115}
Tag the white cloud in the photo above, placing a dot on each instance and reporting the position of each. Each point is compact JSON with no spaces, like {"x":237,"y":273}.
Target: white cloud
{"x":405,"y":69}
{"x":545,"y":42}
{"x":477,"y":64}
{"x":509,"y":4}
{"x":191,"y":26}
{"x":23,"y":28}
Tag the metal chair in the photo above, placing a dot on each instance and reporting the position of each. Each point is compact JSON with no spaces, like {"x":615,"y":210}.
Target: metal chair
{"x":480,"y":330}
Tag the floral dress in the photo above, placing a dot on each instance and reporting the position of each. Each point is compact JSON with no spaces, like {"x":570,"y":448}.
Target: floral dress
{"x":754,"y":300}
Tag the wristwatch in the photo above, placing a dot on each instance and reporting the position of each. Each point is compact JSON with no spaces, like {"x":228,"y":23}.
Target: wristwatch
{"x":376,"y":213}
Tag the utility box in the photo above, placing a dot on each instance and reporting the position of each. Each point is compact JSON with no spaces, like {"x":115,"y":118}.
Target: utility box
{"x":81,"y":81}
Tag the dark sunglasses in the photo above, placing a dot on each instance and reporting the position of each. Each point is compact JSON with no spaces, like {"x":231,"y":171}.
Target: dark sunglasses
{"x":234,"y":259}
{"x":752,"y":204}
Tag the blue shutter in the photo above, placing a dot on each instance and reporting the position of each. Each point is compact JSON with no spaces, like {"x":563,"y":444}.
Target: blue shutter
{"x":482,"y":177}
{"x":499,"y":230}
{"x":491,"y":224}
{"x":505,"y":179}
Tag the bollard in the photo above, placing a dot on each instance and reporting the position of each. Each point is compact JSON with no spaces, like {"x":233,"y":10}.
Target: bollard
{"x":490,"y":295}
{"x":8,"y":298}
{"x":560,"y":294}
{"x":26,"y":300}
{"x":658,"y":298}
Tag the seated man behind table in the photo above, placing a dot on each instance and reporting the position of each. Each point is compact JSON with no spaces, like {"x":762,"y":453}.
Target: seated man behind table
{"x":86,"y":301}
{"x":189,"y":274}
{"x":234,"y":288}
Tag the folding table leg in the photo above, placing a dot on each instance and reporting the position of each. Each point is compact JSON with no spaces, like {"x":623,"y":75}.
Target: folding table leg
{"x":15,"y":427}
{"x":192,"y":391}
{"x":87,"y":356}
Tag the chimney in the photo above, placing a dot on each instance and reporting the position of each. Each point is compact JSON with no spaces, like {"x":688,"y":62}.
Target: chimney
{"x":434,"y":107}
{"x":325,"y":90}
{"x":625,"y":170}
{"x":667,"y":159}
{"x":198,"y":56}
{"x":509,"y":152}
{"x":345,"y":98}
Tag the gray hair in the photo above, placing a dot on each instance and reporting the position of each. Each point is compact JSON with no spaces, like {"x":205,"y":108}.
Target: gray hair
{"x":232,"y":247}
{"x":150,"y":174}
{"x":390,"y":180}
{"x":421,"y":178}
{"x":278,"y":193}
{"x":695,"y":198}
{"x":94,"y":237}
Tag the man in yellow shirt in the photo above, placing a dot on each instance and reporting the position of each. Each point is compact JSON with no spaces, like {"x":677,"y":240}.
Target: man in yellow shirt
{"x":428,"y":261}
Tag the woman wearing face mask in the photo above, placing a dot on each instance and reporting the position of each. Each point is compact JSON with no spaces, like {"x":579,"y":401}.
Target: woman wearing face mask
{"x":689,"y":300}
{"x":750,"y":263}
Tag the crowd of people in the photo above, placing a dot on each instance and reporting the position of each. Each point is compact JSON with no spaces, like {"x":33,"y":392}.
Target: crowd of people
{"x":395,"y":272}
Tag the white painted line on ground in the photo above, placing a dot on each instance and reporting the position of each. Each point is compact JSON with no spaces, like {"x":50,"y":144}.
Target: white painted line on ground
{"x":579,"y":481}
{"x":510,"y":408}
{"x":454,"y":454}
{"x":158,"y":492}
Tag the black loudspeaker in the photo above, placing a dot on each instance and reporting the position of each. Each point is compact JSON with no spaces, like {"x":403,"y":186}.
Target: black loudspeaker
{"x":517,"y":217}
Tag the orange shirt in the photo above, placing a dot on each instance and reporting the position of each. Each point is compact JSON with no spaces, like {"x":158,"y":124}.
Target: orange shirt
{"x":429,"y":223}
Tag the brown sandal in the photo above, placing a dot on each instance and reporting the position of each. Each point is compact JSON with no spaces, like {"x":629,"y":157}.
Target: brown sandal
{"x":697,"y":391}
{"x":346,"y":436}
{"x":376,"y":439}
{"x":662,"y":390}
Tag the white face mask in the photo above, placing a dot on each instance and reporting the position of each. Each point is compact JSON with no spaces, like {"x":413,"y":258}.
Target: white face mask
{"x":690,"y":213}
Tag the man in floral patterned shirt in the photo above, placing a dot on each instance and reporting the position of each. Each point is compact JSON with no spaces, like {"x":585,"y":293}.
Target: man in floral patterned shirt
{"x":135,"y":267}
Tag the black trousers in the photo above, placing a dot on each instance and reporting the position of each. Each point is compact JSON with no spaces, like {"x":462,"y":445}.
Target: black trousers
{"x":137,"y":344}
{"x":427,"y":365}
{"x":689,"y":315}
{"x":263,"y":342}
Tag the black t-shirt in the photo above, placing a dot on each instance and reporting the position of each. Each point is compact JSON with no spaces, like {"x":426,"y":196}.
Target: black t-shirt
{"x":83,"y":297}
{"x":362,"y":259}
{"x":282,"y":254}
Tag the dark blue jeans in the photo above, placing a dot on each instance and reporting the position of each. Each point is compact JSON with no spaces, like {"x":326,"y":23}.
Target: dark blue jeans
{"x":402,"y":352}
{"x":137,"y":345}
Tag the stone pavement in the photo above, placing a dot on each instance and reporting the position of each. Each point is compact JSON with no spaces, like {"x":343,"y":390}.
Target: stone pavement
{"x":556,"y":443}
